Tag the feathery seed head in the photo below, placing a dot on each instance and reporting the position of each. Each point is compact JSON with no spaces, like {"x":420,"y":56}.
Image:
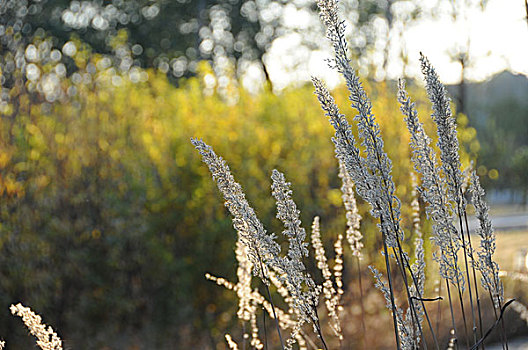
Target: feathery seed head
{"x":262,"y":248}
{"x":488,"y":268}
{"x":231,"y":343}
{"x":288,"y":213}
{"x":446,"y":128}
{"x":353,"y":217}
{"x":47,"y":339}
{"x":434,"y":192}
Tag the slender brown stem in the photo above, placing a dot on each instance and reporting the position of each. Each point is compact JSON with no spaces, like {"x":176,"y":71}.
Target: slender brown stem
{"x":275,"y":316}
{"x":321,"y":335}
{"x":455,"y":264}
{"x":502,"y":310}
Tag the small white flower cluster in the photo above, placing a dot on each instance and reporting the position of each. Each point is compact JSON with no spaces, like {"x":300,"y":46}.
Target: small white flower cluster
{"x":353,"y":234}
{"x":47,"y":339}
{"x":338,"y":271}
{"x":330,"y":294}
{"x":245,"y":309}
{"x":231,"y":343}
{"x":287,"y":320}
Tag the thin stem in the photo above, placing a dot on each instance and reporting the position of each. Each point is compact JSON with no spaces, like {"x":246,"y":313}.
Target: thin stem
{"x":455,"y":263}
{"x":504,"y":338}
{"x":526,"y":6}
{"x":391,"y":292}
{"x":403,"y":259}
{"x":502,"y":324}
{"x":464,"y":246}
{"x":275,"y":316}
{"x":318,"y":327}
{"x":271,"y":300}
{"x":451,"y":308}
{"x":463,"y":313}
{"x":502,"y":310}
{"x":439,"y":309}
{"x":474,"y":276}
{"x":414,"y":314}
{"x":408,"y":266}
{"x":496,"y":318}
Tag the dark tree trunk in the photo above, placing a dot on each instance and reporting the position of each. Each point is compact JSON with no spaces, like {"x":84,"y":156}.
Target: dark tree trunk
{"x":268,"y":83}
{"x":462,"y":87}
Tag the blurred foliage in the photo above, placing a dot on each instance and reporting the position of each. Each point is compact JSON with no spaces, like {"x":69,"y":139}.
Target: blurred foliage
{"x":520,"y":168}
{"x":228,"y":33}
{"x":503,"y":132}
{"x":175,"y":35}
{"x":109,"y":220}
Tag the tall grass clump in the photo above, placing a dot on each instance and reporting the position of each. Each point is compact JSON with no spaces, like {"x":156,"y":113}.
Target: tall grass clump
{"x":365,"y":166}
